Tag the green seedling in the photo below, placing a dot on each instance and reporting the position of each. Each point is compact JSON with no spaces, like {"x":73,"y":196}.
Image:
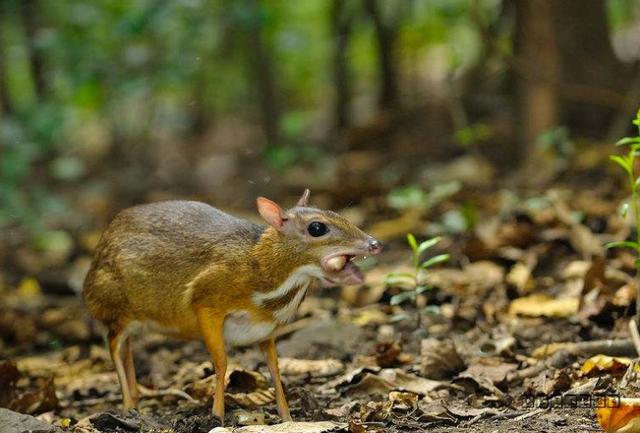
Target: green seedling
{"x":413,"y":283}
{"x":627,"y":162}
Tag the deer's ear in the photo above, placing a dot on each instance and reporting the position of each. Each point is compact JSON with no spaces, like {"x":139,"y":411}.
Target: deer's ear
{"x":304,"y":200}
{"x":271,"y":213}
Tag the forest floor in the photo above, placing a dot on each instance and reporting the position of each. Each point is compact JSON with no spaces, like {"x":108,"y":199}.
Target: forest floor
{"x":479,"y":357}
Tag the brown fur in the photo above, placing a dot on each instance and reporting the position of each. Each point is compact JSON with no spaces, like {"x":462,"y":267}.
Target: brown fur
{"x":149,"y":254}
{"x":170,"y":262}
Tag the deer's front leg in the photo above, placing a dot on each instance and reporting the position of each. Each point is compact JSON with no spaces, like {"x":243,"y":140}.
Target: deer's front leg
{"x":269,"y":349}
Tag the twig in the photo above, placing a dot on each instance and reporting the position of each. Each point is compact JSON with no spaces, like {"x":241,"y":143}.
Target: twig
{"x":562,"y":354}
{"x":630,"y":376}
{"x":635,"y":336}
{"x":529,"y":414}
{"x":621,"y":347}
{"x":144,"y":393}
{"x":560,"y":359}
{"x":92,"y":401}
{"x":150,"y":393}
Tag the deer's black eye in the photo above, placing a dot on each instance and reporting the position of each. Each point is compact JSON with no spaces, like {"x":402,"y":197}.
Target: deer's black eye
{"x":317,"y":229}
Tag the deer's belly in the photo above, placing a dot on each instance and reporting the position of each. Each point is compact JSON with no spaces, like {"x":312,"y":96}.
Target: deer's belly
{"x":241,"y":330}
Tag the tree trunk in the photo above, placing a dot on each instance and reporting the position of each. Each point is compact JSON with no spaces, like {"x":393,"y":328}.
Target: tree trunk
{"x":5,"y":99}
{"x":386,"y":34}
{"x":30,"y":20}
{"x":5,"y":102}
{"x":593,"y":79}
{"x":341,"y":25}
{"x":538,"y":64}
{"x":566,"y":72}
{"x":261,"y":73}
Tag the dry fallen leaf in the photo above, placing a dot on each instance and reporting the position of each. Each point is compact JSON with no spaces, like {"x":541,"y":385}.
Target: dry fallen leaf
{"x":403,"y":401}
{"x":440,"y":359}
{"x":295,"y":427}
{"x":409,"y":382}
{"x":315,"y":368}
{"x":408,"y":222}
{"x":371,"y":380}
{"x":585,"y":242}
{"x":253,"y":399}
{"x":25,"y":394}
{"x":245,"y":387}
{"x":387,"y":354}
{"x":477,"y":276}
{"x":621,"y":416}
{"x":520,"y":277}
{"x":367,"y":316}
{"x":600,"y":363}
{"x":542,"y":305}
{"x":493,"y":369}
{"x":549,"y":349}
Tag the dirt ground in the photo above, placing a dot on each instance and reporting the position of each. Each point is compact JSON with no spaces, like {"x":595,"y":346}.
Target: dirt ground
{"x":470,"y":354}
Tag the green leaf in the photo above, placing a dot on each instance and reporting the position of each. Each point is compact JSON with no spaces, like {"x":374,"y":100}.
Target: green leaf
{"x":412,"y":242}
{"x":400,"y":275}
{"x":407,"y":198}
{"x":435,"y":260}
{"x":622,"y":162}
{"x":400,"y":279}
{"x":399,"y":317}
{"x":422,"y":289}
{"x":623,"y":244}
{"x":624,"y":209}
{"x":424,"y":246}
{"x":401,"y":297}
{"x":637,"y":263}
{"x":431,"y":309}
{"x":628,"y":140}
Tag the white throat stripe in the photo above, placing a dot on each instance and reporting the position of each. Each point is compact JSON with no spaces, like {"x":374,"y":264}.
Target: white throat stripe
{"x":302,"y":276}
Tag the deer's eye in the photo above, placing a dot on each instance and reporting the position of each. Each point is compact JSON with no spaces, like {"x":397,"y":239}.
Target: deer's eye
{"x":317,"y":229}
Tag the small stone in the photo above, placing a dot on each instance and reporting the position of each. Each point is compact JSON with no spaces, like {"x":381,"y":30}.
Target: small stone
{"x":14,"y":422}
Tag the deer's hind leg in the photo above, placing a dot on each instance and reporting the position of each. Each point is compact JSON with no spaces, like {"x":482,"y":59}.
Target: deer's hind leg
{"x":120,"y":349}
{"x":130,"y":370}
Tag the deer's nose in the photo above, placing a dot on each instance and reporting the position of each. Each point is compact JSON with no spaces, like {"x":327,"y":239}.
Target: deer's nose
{"x":375,"y":246}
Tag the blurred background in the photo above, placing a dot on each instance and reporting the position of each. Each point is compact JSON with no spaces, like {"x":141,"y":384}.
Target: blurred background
{"x":377,"y":106}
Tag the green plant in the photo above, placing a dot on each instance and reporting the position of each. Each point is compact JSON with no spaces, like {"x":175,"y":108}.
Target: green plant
{"x":413,"y":283}
{"x":627,"y":162}
{"x":414,"y":197}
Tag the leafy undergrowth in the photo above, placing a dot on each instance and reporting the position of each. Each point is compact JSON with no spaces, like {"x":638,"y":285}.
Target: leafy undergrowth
{"x":496,"y":344}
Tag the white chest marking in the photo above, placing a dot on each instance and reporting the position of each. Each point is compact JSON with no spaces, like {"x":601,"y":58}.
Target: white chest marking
{"x":239,"y":330}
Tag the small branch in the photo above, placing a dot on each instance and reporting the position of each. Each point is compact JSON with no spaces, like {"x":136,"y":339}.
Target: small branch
{"x":621,"y":347}
{"x":92,"y":401}
{"x":144,"y":393}
{"x":560,"y":359}
{"x":150,"y":393}
{"x":635,"y":336}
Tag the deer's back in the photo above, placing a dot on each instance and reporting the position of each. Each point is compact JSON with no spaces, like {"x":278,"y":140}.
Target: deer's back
{"x":149,"y":253}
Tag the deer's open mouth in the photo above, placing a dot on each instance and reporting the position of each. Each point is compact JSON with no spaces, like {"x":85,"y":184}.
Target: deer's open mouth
{"x":340,"y":269}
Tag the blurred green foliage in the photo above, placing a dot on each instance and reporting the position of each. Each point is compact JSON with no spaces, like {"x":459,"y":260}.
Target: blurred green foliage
{"x":89,"y":84}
